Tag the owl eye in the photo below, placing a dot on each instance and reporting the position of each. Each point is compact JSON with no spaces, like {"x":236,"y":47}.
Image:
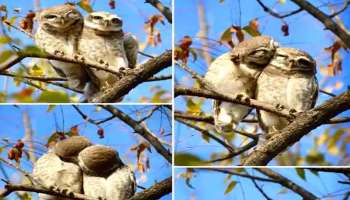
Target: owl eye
{"x":259,"y":52}
{"x":50,"y":17}
{"x":97,"y":17}
{"x":116,"y":21}
{"x":303,"y":62}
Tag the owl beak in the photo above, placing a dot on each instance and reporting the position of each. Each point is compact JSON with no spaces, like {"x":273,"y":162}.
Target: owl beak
{"x":106,"y":23}
{"x":62,"y":20}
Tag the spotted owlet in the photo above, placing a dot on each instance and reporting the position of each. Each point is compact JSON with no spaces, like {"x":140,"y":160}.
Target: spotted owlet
{"x":58,"y":169}
{"x":288,"y":81}
{"x":58,"y":33}
{"x":104,"y":175}
{"x":104,"y":41}
{"x":235,"y":74}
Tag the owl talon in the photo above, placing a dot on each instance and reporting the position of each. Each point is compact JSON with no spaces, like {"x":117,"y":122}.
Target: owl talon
{"x":279,"y":107}
{"x":293,"y":112}
{"x":58,"y":53}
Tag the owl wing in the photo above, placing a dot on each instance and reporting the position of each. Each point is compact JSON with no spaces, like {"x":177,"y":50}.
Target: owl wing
{"x":314,"y":95}
{"x":131,"y":47}
{"x":95,"y":186}
{"x":50,"y":171}
{"x":121,"y":184}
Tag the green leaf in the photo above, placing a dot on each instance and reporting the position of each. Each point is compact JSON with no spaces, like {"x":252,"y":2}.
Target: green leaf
{"x":221,"y":1}
{"x":85,"y":6}
{"x":5,"y":40}
{"x":314,"y":172}
{"x":194,"y":54}
{"x":5,"y":55}
{"x":50,"y":108}
{"x":282,"y":1}
{"x":186,"y":159}
{"x":230,"y":187}
{"x":301,"y":173}
{"x":33,"y":50}
{"x":53,"y":97}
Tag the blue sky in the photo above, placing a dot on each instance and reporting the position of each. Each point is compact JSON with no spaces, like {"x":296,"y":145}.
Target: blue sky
{"x":210,"y":185}
{"x":135,"y":14}
{"x":117,"y":134}
{"x":305,"y":33}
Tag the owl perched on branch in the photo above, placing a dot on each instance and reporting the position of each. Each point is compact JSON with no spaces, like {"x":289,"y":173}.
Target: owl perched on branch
{"x":289,"y":81}
{"x":58,"y":33}
{"x":105,"y":176}
{"x":104,"y":41}
{"x":235,"y":74}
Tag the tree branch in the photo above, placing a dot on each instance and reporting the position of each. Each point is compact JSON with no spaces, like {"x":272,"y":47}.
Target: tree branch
{"x":145,"y":133}
{"x":326,"y":20}
{"x":135,"y":77}
{"x":9,"y":188}
{"x":302,"y":125}
{"x":275,"y":14}
{"x":345,"y":6}
{"x":156,"y":191}
{"x":162,"y":9}
{"x":251,"y":103}
{"x":287,"y":183}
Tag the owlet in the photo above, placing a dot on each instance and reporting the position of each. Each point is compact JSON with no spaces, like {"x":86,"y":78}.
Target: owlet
{"x":289,"y":81}
{"x":58,"y":33}
{"x":105,"y":176}
{"x":103,"y":41}
{"x":235,"y":74}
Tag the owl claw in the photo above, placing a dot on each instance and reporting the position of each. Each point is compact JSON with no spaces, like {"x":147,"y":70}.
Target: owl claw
{"x":58,"y":53}
{"x":79,"y":57}
{"x":279,"y":107}
{"x":293,"y":112}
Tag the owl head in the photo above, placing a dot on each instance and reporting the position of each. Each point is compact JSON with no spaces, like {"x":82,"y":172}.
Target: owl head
{"x":69,"y":148}
{"x":293,"y":60}
{"x":99,"y":160}
{"x":103,"y":22}
{"x":256,"y":52}
{"x":60,"y":18}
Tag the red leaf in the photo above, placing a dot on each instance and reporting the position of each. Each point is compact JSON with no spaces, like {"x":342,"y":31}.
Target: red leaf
{"x":285,"y":29}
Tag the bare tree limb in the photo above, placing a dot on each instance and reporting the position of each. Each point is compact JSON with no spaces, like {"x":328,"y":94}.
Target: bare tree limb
{"x":345,"y":6}
{"x":162,"y":9}
{"x":261,"y":190}
{"x":9,"y":188}
{"x":134,"y":78}
{"x":302,"y":125}
{"x":330,"y":169}
{"x":326,"y":20}
{"x":156,"y":191}
{"x":275,"y":14}
{"x":287,"y":183}
{"x":251,"y":103}
{"x":210,"y":119}
{"x":145,"y":133}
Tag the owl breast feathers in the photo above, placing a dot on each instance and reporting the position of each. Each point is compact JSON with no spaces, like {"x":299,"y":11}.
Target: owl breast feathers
{"x":288,"y":81}
{"x":104,"y":41}
{"x":58,"y":33}
{"x":235,"y":74}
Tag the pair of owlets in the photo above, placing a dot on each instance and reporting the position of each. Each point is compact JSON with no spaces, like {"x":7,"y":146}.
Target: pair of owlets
{"x":258,"y":68}
{"x":75,"y":165}
{"x":98,"y":38}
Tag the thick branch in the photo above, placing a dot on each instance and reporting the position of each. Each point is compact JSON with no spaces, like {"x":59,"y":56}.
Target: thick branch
{"x":156,"y":191}
{"x":9,"y":188}
{"x":287,"y":183}
{"x":210,"y":119}
{"x":135,"y":77}
{"x":145,"y":133}
{"x":302,"y":125}
{"x":326,"y":20}
{"x":251,"y":103}
{"x":330,"y":169}
{"x":163,"y":9}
